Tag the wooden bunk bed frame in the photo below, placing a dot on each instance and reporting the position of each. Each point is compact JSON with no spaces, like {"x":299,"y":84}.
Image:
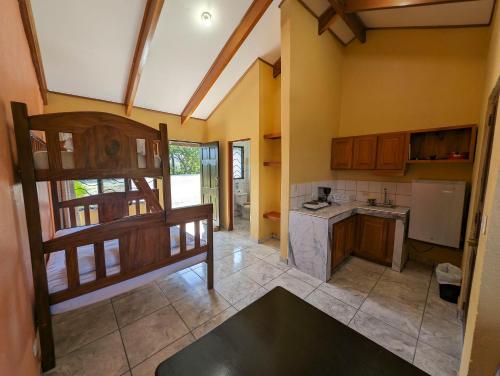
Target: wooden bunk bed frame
{"x":105,"y":146}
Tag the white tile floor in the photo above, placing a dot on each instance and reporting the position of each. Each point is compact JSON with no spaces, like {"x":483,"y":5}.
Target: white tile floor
{"x":132,"y":333}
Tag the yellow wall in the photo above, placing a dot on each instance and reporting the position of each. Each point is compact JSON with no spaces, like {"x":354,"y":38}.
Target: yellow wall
{"x":194,"y":130}
{"x":311,"y":98}
{"x":413,"y":79}
{"x":248,"y":112}
{"x":237,"y":118}
{"x":480,"y":355}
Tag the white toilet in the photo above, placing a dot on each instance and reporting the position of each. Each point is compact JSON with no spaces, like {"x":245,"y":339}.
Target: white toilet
{"x":242,"y":205}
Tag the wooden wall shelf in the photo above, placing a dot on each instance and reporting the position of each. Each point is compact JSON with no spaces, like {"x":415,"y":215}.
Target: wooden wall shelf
{"x":427,"y":161}
{"x":440,"y":143}
{"x":271,"y":164}
{"x":273,"y":216}
{"x":272,"y":136}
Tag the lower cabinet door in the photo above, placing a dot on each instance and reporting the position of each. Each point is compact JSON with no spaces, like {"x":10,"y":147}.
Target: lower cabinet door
{"x":375,"y":238}
{"x":350,"y":235}
{"x":339,"y":235}
{"x":344,"y":240}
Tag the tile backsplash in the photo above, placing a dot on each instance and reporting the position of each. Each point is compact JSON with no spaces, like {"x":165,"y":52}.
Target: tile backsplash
{"x":351,"y":190}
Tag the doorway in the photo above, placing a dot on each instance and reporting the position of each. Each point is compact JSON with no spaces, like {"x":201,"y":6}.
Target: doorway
{"x":484,"y":167}
{"x":239,"y":174}
{"x":185,"y":172}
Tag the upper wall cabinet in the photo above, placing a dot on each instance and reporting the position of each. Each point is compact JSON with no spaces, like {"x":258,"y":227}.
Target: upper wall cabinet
{"x":364,"y":152}
{"x":341,"y":153}
{"x":391,"y":151}
{"x":443,"y":145}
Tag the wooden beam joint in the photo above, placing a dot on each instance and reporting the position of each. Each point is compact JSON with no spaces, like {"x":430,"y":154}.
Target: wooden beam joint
{"x":353,"y":6}
{"x":325,"y":20}
{"x":352,"y":20}
{"x":277,"y":68}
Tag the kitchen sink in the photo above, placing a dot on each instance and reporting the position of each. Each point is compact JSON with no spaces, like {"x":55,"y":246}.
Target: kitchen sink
{"x":379,"y":206}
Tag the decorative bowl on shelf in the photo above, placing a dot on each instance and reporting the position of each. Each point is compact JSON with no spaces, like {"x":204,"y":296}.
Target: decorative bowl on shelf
{"x":455,"y":155}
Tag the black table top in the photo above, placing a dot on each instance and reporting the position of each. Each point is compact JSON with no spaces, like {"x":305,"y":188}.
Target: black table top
{"x":280,"y":334}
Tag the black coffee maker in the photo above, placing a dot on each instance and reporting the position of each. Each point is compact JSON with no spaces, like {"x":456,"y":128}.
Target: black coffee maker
{"x":323,"y":193}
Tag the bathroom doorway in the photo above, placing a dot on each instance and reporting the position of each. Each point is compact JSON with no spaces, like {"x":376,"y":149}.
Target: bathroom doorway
{"x":239,"y":186}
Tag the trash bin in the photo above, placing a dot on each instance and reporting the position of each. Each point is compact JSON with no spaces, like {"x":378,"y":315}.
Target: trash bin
{"x":449,"y":278}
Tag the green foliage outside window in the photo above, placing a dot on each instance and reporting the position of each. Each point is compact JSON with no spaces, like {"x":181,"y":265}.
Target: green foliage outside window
{"x":184,"y":160}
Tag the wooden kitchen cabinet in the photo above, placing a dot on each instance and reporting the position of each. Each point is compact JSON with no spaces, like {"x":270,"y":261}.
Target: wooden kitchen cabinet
{"x":391,"y":151}
{"x":342,"y":153}
{"x":375,"y":238}
{"x":343,"y":240}
{"x":364,"y":152}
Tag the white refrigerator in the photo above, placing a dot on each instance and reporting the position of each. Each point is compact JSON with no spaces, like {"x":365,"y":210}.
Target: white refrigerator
{"x":436,"y":212}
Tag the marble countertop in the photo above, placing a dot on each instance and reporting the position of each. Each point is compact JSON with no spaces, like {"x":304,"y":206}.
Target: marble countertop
{"x":354,"y":207}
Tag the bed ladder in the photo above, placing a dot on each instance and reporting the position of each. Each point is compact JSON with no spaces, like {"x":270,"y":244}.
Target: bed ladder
{"x":151,"y":199}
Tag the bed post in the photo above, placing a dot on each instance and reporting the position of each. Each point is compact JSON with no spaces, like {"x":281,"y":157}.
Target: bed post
{"x":31,"y":207}
{"x":165,"y":163}
{"x":210,"y":252}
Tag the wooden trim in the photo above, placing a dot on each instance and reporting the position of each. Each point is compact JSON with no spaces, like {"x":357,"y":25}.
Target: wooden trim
{"x":428,"y":27}
{"x":165,"y":165}
{"x":277,"y":68}
{"x":31,"y":206}
{"x":325,"y":20}
{"x":246,"y":25}
{"x":31,"y":36}
{"x":117,"y":103}
{"x":306,"y":7}
{"x":80,"y":174}
{"x":367,"y":5}
{"x":149,"y":21}
{"x":230,"y":203}
{"x":352,"y":20}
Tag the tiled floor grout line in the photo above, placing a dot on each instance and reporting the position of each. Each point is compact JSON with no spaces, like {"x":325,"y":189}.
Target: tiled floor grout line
{"x":121,"y":338}
{"x":232,"y":306}
{"x":366,"y":297}
{"x":423,"y":314}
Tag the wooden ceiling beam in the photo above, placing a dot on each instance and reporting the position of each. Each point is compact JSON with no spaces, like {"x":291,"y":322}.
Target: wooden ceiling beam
{"x":352,"y":6}
{"x":277,"y":68}
{"x":246,"y":25}
{"x":325,"y":20}
{"x":352,"y":20}
{"x":36,"y":56}
{"x":149,"y":21}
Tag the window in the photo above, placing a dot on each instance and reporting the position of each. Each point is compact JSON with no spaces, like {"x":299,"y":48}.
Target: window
{"x":238,"y":165}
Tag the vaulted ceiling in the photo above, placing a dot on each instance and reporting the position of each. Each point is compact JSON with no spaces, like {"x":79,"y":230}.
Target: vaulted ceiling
{"x":88,"y":47}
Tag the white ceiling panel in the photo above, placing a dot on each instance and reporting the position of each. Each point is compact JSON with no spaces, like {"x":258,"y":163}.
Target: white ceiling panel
{"x":183,"y":49}
{"x":87,"y":46}
{"x":263,"y":42}
{"x":461,"y":13}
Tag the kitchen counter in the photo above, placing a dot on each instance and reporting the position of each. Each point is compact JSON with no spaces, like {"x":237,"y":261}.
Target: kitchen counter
{"x":310,"y":235}
{"x":356,"y":207}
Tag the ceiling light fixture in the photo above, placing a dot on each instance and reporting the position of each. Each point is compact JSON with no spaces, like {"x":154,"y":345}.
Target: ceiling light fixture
{"x":206,"y":19}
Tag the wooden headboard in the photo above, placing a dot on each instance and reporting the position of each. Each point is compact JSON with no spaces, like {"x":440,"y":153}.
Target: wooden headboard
{"x":104,"y":145}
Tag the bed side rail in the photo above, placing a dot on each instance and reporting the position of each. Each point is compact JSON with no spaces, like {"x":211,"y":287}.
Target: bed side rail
{"x":144,"y":244}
